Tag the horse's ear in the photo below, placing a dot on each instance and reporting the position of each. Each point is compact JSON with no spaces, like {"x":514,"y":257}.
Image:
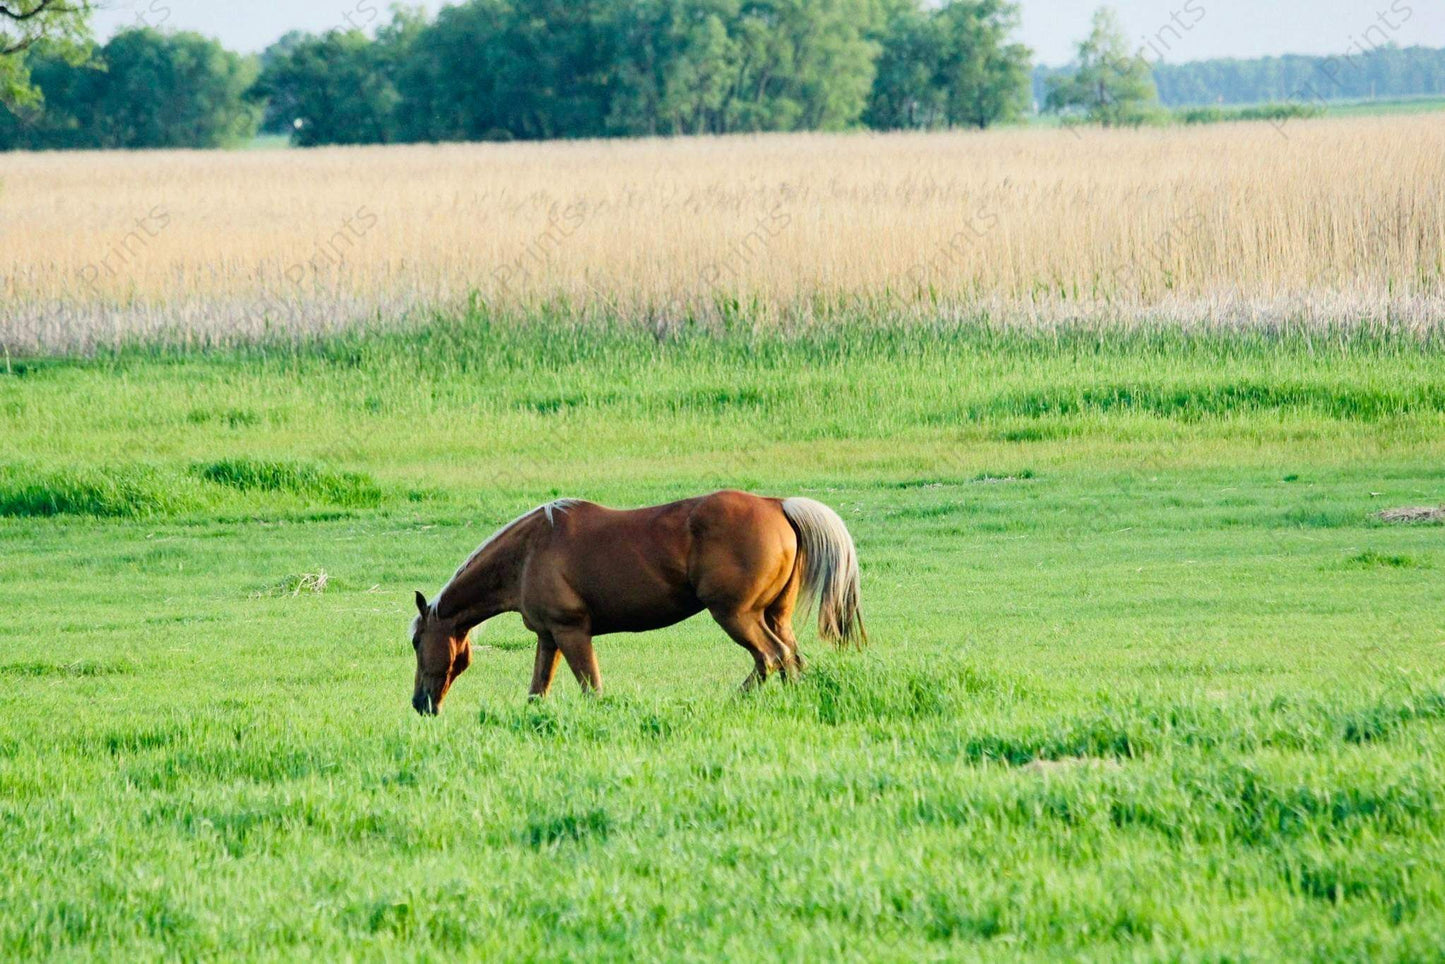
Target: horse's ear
{"x":420,"y":603}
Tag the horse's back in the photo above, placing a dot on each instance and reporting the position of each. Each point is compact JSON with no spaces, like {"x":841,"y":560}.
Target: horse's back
{"x":636,"y":569}
{"x":620,"y":570}
{"x":670,"y":537}
{"x":727,"y":513}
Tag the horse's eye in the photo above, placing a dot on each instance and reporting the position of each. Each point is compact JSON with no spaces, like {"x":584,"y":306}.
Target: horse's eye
{"x":416,"y":642}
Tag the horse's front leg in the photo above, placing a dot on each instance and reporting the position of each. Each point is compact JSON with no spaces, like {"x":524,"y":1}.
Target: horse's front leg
{"x":545,"y":666}
{"x":576,"y":646}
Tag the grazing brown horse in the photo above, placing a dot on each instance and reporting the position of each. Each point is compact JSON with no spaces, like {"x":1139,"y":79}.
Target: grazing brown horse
{"x":576,"y":570}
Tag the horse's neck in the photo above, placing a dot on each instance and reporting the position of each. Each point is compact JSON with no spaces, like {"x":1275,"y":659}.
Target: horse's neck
{"x":488,"y":584}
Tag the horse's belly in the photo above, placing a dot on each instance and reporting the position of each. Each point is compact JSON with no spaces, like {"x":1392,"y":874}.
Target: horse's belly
{"x":628,"y":570}
{"x":616,"y":616}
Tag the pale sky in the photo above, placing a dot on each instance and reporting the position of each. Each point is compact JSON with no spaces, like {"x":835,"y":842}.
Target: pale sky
{"x":1177,"y":30}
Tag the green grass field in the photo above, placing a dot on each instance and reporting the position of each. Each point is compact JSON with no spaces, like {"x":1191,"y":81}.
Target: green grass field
{"x":1387,"y":105}
{"x":1382,"y":107}
{"x":1148,"y":678}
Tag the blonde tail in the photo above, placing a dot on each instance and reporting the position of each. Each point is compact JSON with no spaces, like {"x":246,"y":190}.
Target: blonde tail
{"x":830,"y":570}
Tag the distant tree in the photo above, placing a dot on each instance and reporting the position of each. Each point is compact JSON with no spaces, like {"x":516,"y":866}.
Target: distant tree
{"x":1110,"y":83}
{"x":907,"y":92}
{"x":700,"y":79}
{"x":332,"y":89}
{"x":952,"y":65}
{"x":169,"y":90}
{"x":499,"y":69}
{"x":645,"y":36}
{"x":60,"y":27}
{"x":275,"y":118}
{"x":1386,"y":71}
{"x":984,"y":78}
{"x":726,"y":65}
{"x":145,"y":89}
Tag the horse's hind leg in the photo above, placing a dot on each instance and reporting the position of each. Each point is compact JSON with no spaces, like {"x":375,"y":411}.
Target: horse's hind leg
{"x":781,"y":632}
{"x":749,"y":632}
{"x":778,"y":618}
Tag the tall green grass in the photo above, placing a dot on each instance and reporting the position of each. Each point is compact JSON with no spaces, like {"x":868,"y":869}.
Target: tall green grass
{"x":140,"y":491}
{"x":1255,"y":112}
{"x":476,"y":405}
{"x":327,"y":486}
{"x":125,"y":491}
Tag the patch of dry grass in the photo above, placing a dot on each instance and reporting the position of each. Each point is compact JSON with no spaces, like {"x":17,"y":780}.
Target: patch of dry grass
{"x":297,"y":585}
{"x":1336,"y":220}
{"x":1412,"y":514}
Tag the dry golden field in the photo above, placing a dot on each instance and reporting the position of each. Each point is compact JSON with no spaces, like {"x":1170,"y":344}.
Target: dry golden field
{"x":1331,"y":221}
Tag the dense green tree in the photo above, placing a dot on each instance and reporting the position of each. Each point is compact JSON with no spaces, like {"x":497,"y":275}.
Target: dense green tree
{"x":769,"y":65}
{"x":145,"y":89}
{"x":952,"y":65}
{"x":333,"y":89}
{"x":560,"y":68}
{"x":645,"y":35}
{"x":906,"y":90}
{"x":497,"y":69}
{"x":1111,"y":83}
{"x":714,"y":66}
{"x":700,"y":82}
{"x":984,"y":78}
{"x":169,"y":90}
{"x":458,"y":81}
{"x":277,"y":116}
{"x":60,"y":28}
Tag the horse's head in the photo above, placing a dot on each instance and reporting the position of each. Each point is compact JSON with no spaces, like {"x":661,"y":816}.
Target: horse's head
{"x":441,"y":656}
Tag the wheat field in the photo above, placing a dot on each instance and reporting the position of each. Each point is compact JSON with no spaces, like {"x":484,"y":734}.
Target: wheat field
{"x":1331,"y":221}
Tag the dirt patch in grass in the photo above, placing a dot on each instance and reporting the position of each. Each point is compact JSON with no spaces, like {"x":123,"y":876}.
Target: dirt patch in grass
{"x":1413,"y":515}
{"x":990,"y":478}
{"x":301,"y":584}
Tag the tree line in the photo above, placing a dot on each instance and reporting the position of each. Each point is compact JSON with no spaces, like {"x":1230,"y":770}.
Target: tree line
{"x":531,"y":69}
{"x":534,"y":69}
{"x":1384,"y":72}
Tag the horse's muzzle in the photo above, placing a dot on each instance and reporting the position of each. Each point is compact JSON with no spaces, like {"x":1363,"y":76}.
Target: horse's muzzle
{"x":424,"y":704}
